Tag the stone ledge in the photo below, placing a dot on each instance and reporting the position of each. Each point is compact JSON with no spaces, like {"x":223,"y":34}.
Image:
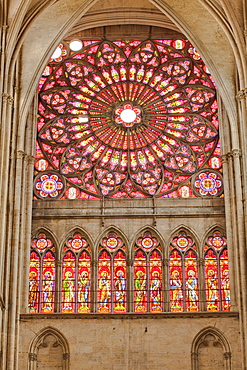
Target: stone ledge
{"x":129,"y":315}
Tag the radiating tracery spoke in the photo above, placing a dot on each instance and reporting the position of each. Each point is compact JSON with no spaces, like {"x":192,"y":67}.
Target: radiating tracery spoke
{"x":129,"y":119}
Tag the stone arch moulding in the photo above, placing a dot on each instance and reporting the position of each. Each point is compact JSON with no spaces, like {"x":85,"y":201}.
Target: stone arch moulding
{"x":38,"y":341}
{"x":147,"y":229}
{"x":80,"y":230}
{"x":218,"y":338}
{"x":187,"y":230}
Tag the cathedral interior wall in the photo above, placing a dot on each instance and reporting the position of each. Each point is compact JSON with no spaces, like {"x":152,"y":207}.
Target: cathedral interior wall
{"x":130,"y":342}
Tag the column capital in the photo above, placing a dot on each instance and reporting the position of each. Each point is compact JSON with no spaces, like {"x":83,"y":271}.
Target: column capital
{"x":32,"y":357}
{"x":7,"y":99}
{"x":225,"y":158}
{"x":227,"y":355}
{"x":241,"y":94}
{"x":236,"y":153}
{"x":20,"y":154}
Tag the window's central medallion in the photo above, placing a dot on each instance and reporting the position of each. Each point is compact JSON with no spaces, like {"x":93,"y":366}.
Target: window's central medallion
{"x":128,"y":115}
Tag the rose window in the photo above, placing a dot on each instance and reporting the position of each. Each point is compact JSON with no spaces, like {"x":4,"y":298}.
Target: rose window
{"x":127,"y":119}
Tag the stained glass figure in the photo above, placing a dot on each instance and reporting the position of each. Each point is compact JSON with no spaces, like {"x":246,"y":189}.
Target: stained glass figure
{"x":216,"y":271}
{"x":68,"y":278}
{"x":191,"y":281}
{"x":148,"y":275}
{"x":183,"y":274}
{"x":211,"y":280}
{"x":112,"y":275}
{"x":42,"y":275}
{"x":127,"y":119}
{"x":76,"y":276}
{"x":34,"y":282}
{"x":48,"y":282}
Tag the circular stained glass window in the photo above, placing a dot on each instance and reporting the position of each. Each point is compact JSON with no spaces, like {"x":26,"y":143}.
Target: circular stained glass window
{"x":129,"y":119}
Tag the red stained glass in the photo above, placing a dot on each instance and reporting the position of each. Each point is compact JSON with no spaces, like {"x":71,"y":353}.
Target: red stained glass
{"x":112,"y":275}
{"x":76,"y":276}
{"x":191,"y":282}
{"x":84,"y":282}
{"x":140,"y":282}
{"x":217,"y":273}
{"x":176,"y":282}
{"x":225,"y":281}
{"x":113,"y":119}
{"x":211,"y":280}
{"x":155,"y":282}
{"x":48,"y":283}
{"x":104,"y":282}
{"x":148,"y":275}
{"x":120,"y":283}
{"x":34,"y":283}
{"x":42,"y":275}
{"x":68,"y":282}
{"x":183,"y":274}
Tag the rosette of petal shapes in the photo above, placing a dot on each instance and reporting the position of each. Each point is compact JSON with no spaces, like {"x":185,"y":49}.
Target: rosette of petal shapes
{"x":152,"y":119}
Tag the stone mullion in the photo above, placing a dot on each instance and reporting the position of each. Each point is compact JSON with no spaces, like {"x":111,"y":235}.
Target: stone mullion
{"x":94,"y":284}
{"x":58,"y":283}
{"x":202,"y":282}
{"x":130,"y":286}
{"x":166,"y":284}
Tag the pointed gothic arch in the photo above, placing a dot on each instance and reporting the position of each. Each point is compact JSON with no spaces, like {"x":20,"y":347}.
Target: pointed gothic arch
{"x":204,"y":341}
{"x":51,"y":340}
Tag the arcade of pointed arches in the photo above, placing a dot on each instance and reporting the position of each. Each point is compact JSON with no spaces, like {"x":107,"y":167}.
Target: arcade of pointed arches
{"x":184,"y":277}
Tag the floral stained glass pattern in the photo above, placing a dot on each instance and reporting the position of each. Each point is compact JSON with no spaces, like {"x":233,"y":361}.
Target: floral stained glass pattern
{"x":76,"y":276}
{"x":183,"y":275}
{"x":112,"y":275}
{"x":42,"y":275}
{"x":216,"y":270}
{"x":148,"y":276}
{"x":127,"y":119}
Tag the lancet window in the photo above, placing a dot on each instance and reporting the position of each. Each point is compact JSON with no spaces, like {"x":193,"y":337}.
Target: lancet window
{"x":148,"y":275}
{"x":112,"y":275}
{"x":216,"y":272}
{"x":42,"y":275}
{"x":67,"y":286}
{"x":183,"y":274}
{"x":76,"y":275}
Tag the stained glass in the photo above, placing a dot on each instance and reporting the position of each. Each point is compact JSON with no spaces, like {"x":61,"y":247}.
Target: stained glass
{"x":216,"y":269}
{"x":225,"y":281}
{"x":211,"y":280}
{"x":112,"y":275}
{"x":34,"y":283}
{"x":48,"y":283}
{"x":127,"y":119}
{"x":104,"y":282}
{"x":155,"y":282}
{"x":148,"y":275}
{"x":42,"y":275}
{"x":76,"y":276}
{"x":191,"y":284}
{"x":176,"y":282}
{"x":183,"y":274}
{"x":84,"y":282}
{"x":120,"y":303}
{"x":68,"y":279}
{"x":140,"y":282}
